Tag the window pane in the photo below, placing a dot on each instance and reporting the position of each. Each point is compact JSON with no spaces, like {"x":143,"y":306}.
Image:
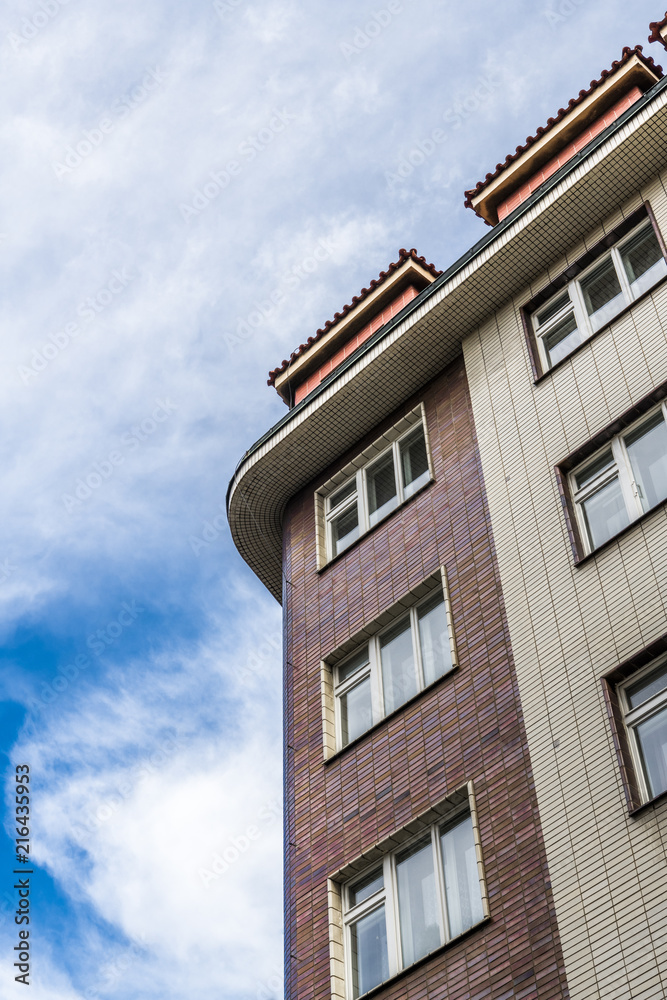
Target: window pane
{"x":417,"y":902}
{"x":345,"y":529}
{"x":641,"y":254}
{"x":370,"y":963}
{"x":356,"y":712}
{"x":464,"y":898}
{"x":351,"y":666}
{"x":552,"y":308}
{"x":562,"y":340}
{"x":381,"y":488}
{"x":602,"y":294}
{"x":652,"y":737}
{"x":414,"y":461}
{"x":366,"y":887}
{"x":648,"y":687}
{"x":648,"y":455}
{"x":606,"y":513}
{"x":398,"y":666}
{"x":594,"y":469}
{"x":434,"y":639}
{"x":342,"y":494}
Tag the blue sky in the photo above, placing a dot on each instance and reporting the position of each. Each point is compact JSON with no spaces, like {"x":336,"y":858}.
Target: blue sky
{"x":165,"y":168}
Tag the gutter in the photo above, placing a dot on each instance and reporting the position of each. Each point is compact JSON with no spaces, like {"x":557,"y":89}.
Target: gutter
{"x":454,"y":269}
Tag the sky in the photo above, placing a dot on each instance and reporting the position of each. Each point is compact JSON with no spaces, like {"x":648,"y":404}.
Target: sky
{"x":166,"y":167}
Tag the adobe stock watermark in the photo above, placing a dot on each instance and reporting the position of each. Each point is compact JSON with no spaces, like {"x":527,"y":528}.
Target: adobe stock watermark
{"x":248,"y":150}
{"x":102,"y":470}
{"x":6,"y":571}
{"x":88,"y":310}
{"x":212,"y":529}
{"x":236,"y":847}
{"x":224,"y":8}
{"x":113,"y":972}
{"x":146,"y":768}
{"x":69,"y":673}
{"x":31,"y":26}
{"x":259,"y":657}
{"x":93,"y":138}
{"x":263,"y":310}
{"x":562,"y":11}
{"x":365,"y":36}
{"x":272,"y":987}
{"x":455,"y":117}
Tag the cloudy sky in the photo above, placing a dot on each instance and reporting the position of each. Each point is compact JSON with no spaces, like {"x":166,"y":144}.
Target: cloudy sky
{"x":166,"y":166}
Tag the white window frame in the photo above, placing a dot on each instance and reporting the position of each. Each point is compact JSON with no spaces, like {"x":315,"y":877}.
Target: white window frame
{"x":373,"y":668}
{"x":633,"y":717}
{"x":357,"y":471}
{"x":621,"y":469}
{"x":585,"y":325}
{"x":388,"y":896}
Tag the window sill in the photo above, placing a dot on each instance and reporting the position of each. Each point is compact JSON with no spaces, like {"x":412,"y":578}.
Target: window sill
{"x":645,"y":806}
{"x":392,"y":715}
{"x":351,"y":548}
{"x":422,"y":961}
{"x":619,"y":534}
{"x":603,"y":329}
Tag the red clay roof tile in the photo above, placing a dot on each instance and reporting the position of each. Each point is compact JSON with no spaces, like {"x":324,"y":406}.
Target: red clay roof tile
{"x":656,"y":27}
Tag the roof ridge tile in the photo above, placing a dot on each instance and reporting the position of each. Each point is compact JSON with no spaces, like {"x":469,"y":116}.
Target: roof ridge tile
{"x":551,"y":122}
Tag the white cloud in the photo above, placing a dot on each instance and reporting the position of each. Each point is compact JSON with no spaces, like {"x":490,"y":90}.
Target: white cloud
{"x":148,"y":822}
{"x":203,"y":663}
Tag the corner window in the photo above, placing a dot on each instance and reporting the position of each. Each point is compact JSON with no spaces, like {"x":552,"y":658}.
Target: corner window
{"x":396,"y":664}
{"x":411,"y":903}
{"x":600,"y":293}
{"x":622,"y":481}
{"x":380,"y":480}
{"x":644,"y":701}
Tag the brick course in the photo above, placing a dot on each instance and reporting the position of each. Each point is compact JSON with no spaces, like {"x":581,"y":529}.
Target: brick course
{"x":466,"y":727}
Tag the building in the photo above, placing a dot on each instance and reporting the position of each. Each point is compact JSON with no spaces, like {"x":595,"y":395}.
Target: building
{"x":463,"y":514}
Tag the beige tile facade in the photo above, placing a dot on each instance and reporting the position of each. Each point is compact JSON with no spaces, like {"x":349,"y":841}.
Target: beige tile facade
{"x":570,"y":626}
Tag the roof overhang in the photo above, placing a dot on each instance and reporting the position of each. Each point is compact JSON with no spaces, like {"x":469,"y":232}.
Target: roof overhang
{"x":409,"y":273}
{"x":633,"y":73}
{"x":406,"y":353}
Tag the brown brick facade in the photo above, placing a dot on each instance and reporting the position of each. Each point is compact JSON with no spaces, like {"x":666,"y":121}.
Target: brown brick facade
{"x":467,"y":727}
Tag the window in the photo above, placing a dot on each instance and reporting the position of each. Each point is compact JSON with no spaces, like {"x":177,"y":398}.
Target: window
{"x":396,"y":664}
{"x":572,"y":315}
{"x":410,"y":903}
{"x":623,"y":480}
{"x":644,"y":702}
{"x":374,"y":485}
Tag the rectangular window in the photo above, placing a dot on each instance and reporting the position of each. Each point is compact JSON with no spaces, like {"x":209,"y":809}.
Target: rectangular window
{"x":396,"y":664}
{"x":378,"y":482}
{"x":622,"y":481}
{"x":413,"y":902}
{"x":600,"y":293}
{"x":644,"y":701}
{"x":343,"y":517}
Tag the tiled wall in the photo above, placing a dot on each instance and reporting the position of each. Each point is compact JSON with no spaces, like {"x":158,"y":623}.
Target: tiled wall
{"x":566,"y":154}
{"x":468,"y":727}
{"x":570,"y":626}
